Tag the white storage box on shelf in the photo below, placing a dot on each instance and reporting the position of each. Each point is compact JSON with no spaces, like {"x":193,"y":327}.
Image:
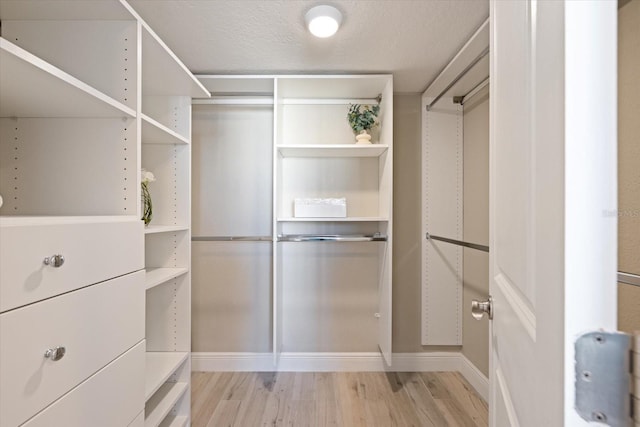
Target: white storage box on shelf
{"x":320,"y":208}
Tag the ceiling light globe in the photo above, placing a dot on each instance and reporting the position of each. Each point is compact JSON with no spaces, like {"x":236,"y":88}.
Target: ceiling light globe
{"x":323,"y":21}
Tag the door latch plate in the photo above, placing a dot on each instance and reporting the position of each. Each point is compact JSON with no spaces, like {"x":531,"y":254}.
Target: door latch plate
{"x":603,"y":378}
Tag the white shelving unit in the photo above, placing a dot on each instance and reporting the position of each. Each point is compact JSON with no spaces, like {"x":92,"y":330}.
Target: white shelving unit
{"x":92,"y":81}
{"x":166,"y":90}
{"x":68,"y":177}
{"x":313,"y":155}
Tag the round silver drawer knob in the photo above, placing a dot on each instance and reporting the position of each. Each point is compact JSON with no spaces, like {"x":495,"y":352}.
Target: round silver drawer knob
{"x":54,"y":260}
{"x":56,"y":353}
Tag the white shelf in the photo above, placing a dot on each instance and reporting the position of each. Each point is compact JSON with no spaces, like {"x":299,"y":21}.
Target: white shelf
{"x":158,"y":276}
{"x":20,"y":221}
{"x":154,"y":132}
{"x":332,"y":86}
{"x":163,"y":74}
{"x":71,"y":10}
{"x":173,"y":421}
{"x":31,"y":87}
{"x":334,"y":150}
{"x":152,"y":229}
{"x":160,"y":404}
{"x":347,"y":219}
{"x":159,"y":367}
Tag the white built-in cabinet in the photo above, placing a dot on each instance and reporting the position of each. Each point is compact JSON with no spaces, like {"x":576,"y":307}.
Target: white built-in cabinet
{"x":88,"y":95}
{"x":327,"y":295}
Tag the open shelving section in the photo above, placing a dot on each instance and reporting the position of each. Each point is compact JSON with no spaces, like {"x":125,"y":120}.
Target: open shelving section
{"x":92,"y":81}
{"x":313,"y":155}
{"x":166,"y":90}
{"x":69,"y":178}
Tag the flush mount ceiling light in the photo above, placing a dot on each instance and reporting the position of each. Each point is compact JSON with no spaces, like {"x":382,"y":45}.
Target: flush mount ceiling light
{"x":323,"y":21}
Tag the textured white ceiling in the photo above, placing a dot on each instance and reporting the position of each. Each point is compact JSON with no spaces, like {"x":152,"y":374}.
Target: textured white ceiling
{"x":413,"y":39}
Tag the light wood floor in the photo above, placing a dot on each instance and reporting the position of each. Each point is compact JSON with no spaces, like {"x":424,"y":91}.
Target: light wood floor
{"x":348,"y":399}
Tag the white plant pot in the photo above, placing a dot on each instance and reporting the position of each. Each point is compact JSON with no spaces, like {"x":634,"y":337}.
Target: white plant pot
{"x":363,"y":138}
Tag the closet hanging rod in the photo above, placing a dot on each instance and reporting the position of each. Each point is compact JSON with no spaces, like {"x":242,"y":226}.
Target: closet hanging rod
{"x":231,"y":239}
{"x":475,"y":90}
{"x":235,"y":100}
{"x":330,"y":101}
{"x":629,"y":279}
{"x":458,"y":77}
{"x":377,"y":237}
{"x":458,"y":242}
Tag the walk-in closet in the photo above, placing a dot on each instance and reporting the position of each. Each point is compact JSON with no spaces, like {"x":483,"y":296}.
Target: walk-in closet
{"x":289,"y":213}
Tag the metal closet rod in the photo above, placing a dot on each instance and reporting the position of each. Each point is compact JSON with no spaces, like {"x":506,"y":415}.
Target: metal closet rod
{"x":482,"y":248}
{"x":376,"y":237}
{"x":628,"y":278}
{"x":458,"y":77}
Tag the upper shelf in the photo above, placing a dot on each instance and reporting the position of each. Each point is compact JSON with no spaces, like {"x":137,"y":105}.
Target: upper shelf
{"x":63,"y":10}
{"x":154,"y":132}
{"x":162,"y":71}
{"x":334,"y":150}
{"x":333,"y":86}
{"x":31,"y":87}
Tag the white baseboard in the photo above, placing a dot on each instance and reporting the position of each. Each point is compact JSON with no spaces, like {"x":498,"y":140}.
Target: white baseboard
{"x":343,"y":362}
{"x":476,"y":378}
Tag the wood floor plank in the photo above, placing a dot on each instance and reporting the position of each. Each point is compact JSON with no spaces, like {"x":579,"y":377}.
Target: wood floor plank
{"x":278,"y":402}
{"x":204,"y":404}
{"x":435,"y":386}
{"x":466,"y":396}
{"x":302,"y":413}
{"x":253,"y":406}
{"x":426,"y":408}
{"x":349,"y":391}
{"x":455,"y":415}
{"x":402,"y":402}
{"x":332,"y":399}
{"x":225,"y":414}
{"x":327,"y":405}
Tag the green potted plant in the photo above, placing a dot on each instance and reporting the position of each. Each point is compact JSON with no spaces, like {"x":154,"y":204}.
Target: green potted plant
{"x":363,"y":118}
{"x":147,"y":206}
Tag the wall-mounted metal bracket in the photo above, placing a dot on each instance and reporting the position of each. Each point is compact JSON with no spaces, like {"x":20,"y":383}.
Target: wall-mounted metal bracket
{"x":603,"y":378}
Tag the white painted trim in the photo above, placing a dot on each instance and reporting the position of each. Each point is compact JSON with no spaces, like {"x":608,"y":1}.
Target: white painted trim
{"x":326,"y":362}
{"x":343,"y":362}
{"x":476,"y":378}
{"x":231,"y":362}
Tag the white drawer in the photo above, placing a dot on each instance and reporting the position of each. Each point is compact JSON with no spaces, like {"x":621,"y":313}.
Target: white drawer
{"x":93,"y":251}
{"x":94,"y":324}
{"x":110,"y":398}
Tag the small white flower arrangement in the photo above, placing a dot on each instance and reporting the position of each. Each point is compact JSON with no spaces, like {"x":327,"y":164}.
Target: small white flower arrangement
{"x":147,"y":206}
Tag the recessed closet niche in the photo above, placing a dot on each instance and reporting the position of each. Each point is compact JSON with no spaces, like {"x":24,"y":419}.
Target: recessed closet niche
{"x":455,"y":170}
{"x":266,"y":280}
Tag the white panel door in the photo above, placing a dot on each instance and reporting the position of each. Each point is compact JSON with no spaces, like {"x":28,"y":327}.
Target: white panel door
{"x":553,"y":177}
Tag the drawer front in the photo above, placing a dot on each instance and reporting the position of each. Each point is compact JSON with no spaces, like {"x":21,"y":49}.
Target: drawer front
{"x":94,"y":324}
{"x":112,"y":397}
{"x":93,"y":252}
